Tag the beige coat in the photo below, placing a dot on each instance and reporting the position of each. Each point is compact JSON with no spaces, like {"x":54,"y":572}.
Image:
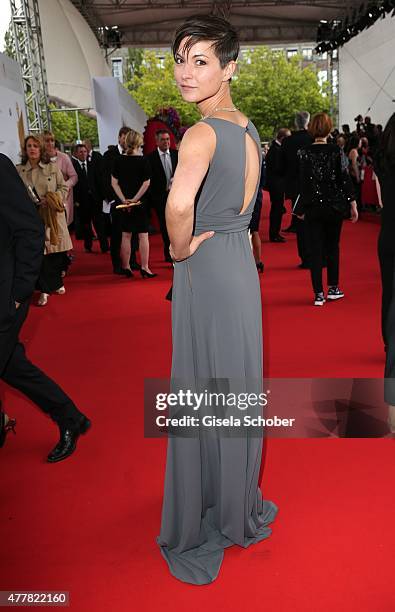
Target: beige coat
{"x":44,"y":178}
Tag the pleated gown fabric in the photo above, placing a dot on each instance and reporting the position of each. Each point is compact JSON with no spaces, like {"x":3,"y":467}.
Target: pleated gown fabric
{"x":211,"y":496}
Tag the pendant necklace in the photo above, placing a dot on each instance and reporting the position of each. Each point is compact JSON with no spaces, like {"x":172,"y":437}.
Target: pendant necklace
{"x":231,"y":110}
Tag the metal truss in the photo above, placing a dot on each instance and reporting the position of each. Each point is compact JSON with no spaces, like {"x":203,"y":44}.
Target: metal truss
{"x":26,"y":26}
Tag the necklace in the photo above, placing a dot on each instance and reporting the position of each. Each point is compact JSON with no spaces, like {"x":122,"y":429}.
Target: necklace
{"x":322,"y":140}
{"x":231,"y":110}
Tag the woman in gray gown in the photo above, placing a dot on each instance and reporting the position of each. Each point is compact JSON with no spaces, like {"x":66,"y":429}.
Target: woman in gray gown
{"x":212,"y":498}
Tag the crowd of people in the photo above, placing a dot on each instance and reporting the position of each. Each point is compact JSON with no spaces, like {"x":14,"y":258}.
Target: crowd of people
{"x":106,"y":197}
{"x":317,"y":162}
{"x":111,"y":197}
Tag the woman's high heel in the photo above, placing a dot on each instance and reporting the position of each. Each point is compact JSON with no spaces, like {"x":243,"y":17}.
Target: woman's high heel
{"x":146,"y":274}
{"x":5,"y":427}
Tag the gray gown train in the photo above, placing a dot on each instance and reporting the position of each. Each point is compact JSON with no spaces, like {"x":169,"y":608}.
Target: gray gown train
{"x":211,"y":496}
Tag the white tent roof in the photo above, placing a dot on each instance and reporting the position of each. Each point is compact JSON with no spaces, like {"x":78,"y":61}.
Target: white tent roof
{"x":72,"y":53}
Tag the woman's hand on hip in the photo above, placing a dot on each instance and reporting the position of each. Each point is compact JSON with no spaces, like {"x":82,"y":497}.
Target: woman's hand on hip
{"x":193,"y":246}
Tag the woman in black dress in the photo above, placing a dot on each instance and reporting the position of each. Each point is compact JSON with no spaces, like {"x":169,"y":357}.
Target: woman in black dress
{"x":130,"y":179}
{"x":384,"y":168}
{"x":326,"y":198}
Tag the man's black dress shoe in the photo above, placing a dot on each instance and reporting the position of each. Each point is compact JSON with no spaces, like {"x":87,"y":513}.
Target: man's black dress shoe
{"x":68,"y":441}
{"x":277,"y":239}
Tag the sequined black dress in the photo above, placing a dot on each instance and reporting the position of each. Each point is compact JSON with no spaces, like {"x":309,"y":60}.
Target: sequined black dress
{"x":326,"y":192}
{"x":324,"y":179}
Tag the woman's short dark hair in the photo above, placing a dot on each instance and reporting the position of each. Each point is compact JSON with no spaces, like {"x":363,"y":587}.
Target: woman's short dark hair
{"x":224,"y":36}
{"x":385,"y":156}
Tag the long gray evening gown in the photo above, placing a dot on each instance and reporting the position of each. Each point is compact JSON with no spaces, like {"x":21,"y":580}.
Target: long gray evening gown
{"x":211,"y":497}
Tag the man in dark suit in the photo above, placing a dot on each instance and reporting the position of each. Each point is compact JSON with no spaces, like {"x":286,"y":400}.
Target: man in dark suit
{"x":88,"y":198}
{"x":21,"y":251}
{"x":93,"y":156}
{"x":275,"y":185}
{"x":109,"y":194}
{"x":163,"y":162}
{"x":290,"y":170}
{"x":95,"y":160}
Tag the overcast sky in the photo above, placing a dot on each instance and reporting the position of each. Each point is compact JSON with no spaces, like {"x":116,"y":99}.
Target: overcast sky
{"x":5,"y":16}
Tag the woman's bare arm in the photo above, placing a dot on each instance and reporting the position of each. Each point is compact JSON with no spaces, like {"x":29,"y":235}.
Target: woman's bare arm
{"x":117,"y":189}
{"x":142,"y":190}
{"x":196,"y":151}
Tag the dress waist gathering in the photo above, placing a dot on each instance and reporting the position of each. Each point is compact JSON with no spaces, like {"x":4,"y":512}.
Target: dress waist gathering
{"x":221,"y":223}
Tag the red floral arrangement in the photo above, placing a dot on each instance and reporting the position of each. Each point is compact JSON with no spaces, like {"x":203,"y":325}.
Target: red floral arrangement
{"x":167,"y":119}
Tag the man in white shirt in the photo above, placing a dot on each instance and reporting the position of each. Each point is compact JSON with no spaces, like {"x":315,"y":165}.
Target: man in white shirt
{"x":88,"y":198}
{"x":163,"y":162}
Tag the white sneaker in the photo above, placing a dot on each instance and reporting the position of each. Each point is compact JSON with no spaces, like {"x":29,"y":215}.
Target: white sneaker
{"x":319,"y":299}
{"x":43,"y":299}
{"x":61,"y":291}
{"x":334,"y":293}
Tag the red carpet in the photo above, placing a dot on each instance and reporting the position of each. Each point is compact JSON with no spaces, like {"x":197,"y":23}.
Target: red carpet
{"x":88,"y":525}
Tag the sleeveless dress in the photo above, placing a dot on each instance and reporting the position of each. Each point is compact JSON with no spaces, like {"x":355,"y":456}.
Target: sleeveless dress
{"x":212,"y":498}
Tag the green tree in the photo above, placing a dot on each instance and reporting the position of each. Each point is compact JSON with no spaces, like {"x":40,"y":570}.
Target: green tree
{"x":134,"y":62}
{"x":270,"y":89}
{"x":9,"y":44}
{"x":64,"y":127}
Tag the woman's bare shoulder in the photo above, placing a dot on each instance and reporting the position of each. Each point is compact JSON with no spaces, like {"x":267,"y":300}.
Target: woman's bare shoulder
{"x":200,"y":137}
{"x":198,"y":130}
